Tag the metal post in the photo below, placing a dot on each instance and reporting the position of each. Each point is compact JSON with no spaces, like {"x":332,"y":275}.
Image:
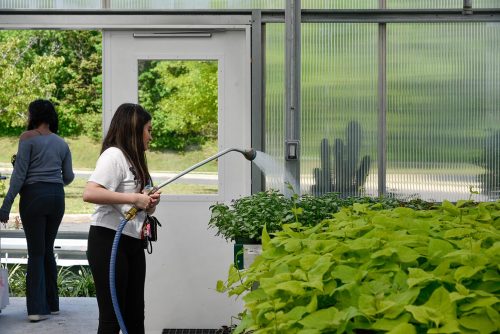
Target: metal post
{"x":292,"y":91}
{"x":467,"y":7}
{"x":382,"y":105}
{"x":105,"y":4}
{"x":258,"y":106}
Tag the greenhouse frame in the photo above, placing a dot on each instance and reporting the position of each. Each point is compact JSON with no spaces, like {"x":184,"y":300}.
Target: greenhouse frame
{"x":363,"y":98}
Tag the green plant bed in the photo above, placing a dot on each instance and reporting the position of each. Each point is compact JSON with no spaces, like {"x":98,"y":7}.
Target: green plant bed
{"x":74,"y":281}
{"x":368,"y":270}
{"x":244,"y":218}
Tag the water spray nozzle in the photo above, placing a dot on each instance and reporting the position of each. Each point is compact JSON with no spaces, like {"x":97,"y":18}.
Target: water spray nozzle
{"x":250,"y":154}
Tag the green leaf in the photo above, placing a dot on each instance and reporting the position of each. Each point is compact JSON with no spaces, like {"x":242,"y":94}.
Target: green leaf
{"x":313,"y":304}
{"x":245,"y":323}
{"x":403,"y":329}
{"x":480,"y":302}
{"x":450,"y":208}
{"x":308,"y":260}
{"x":220,"y":286}
{"x":293,"y":245}
{"x":480,"y":322}
{"x":464,"y":272}
{"x":345,"y":273}
{"x":363,"y":243}
{"x":458,"y":233}
{"x":292,"y":287}
{"x":322,"y":319}
{"x":438,"y":247}
{"x":388,"y":324}
{"x":407,"y":254}
{"x":265,"y":238}
{"x":296,"y":313}
{"x":438,"y":312}
{"x":418,"y":276}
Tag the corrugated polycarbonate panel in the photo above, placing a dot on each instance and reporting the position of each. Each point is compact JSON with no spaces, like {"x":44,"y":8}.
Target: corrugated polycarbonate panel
{"x":339,"y":109}
{"x":240,"y":4}
{"x":50,"y":4}
{"x":274,"y":131}
{"x":439,"y":4}
{"x":339,"y":104}
{"x":443,"y":121}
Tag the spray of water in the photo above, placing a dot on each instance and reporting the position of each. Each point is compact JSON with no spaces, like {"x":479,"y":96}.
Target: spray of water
{"x":276,"y":176}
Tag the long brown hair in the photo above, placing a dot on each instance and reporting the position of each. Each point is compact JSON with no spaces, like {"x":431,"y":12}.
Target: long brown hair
{"x":126,"y":132}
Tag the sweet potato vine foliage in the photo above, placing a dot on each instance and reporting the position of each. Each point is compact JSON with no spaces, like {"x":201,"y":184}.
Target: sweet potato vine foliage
{"x":376,"y":271}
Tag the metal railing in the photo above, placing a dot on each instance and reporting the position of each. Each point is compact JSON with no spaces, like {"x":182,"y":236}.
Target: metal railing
{"x":66,"y":252}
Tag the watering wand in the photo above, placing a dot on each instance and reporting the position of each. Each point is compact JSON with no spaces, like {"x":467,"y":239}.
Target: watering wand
{"x":249,"y":154}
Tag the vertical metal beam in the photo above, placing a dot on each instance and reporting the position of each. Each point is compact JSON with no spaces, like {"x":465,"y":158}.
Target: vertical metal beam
{"x":467,"y":9}
{"x":105,"y":4}
{"x":292,"y":91}
{"x":258,"y":106}
{"x":382,"y":105}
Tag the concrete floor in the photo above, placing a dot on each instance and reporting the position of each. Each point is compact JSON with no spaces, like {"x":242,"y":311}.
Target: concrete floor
{"x":77,"y":316}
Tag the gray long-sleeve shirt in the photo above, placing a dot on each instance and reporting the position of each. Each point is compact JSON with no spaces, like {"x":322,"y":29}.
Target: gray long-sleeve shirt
{"x":44,"y":158}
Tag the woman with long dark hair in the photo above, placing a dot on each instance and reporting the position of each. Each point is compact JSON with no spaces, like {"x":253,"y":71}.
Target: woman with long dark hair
{"x":117,"y":184}
{"x":42,"y":168}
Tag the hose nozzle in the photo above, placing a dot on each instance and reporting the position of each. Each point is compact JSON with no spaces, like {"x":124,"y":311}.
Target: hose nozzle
{"x":250,"y":154}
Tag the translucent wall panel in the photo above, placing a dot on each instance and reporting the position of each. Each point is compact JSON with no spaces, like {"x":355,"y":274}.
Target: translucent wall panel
{"x":443,"y":121}
{"x":50,"y":4}
{"x":274,"y":131}
{"x":434,"y":4}
{"x":339,"y":106}
{"x":240,"y":4}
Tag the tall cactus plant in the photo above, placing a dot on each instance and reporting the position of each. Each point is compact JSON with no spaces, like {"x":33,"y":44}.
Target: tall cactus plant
{"x":349,"y":174}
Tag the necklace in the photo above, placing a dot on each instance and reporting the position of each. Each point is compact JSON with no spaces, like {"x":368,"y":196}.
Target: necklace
{"x":38,"y":132}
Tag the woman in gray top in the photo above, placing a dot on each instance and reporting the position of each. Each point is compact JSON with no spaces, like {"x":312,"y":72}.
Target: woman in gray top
{"x":41,"y":170}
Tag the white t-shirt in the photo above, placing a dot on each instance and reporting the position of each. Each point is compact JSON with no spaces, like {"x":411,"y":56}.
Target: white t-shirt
{"x":113,"y":172}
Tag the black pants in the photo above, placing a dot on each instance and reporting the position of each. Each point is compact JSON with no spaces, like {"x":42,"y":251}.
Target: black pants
{"x":130,"y":276}
{"x":41,"y":209}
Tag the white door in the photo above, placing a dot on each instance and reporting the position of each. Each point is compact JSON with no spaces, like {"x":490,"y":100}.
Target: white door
{"x":188,"y":259}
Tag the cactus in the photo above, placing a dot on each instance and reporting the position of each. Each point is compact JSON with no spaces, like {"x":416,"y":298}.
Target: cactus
{"x":347,"y":176}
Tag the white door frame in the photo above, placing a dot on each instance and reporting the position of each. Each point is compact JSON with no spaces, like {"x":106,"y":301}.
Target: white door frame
{"x":188,"y":259}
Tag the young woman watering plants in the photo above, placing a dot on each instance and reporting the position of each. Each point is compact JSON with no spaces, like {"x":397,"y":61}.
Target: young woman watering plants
{"x":116,"y":185}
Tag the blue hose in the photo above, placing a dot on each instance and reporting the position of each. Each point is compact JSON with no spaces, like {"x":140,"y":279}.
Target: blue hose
{"x":112,"y":281}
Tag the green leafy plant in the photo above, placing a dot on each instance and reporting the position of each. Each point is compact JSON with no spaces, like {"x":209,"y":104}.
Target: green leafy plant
{"x":17,"y":280}
{"x":374,"y":271}
{"x":71,"y":281}
{"x":77,"y":283}
{"x":245,"y":217}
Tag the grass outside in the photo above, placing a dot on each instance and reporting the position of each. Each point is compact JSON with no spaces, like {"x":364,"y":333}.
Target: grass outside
{"x":85,"y":152}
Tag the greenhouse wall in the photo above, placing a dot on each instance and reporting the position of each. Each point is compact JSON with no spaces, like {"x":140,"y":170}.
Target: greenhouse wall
{"x":443,"y":116}
{"x":239,"y":4}
{"x":442,"y":121}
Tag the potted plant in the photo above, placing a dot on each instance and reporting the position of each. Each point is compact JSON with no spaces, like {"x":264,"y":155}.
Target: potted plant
{"x":243,"y":219}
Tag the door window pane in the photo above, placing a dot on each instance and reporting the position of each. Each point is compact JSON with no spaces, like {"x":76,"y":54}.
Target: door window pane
{"x":182,"y":96}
